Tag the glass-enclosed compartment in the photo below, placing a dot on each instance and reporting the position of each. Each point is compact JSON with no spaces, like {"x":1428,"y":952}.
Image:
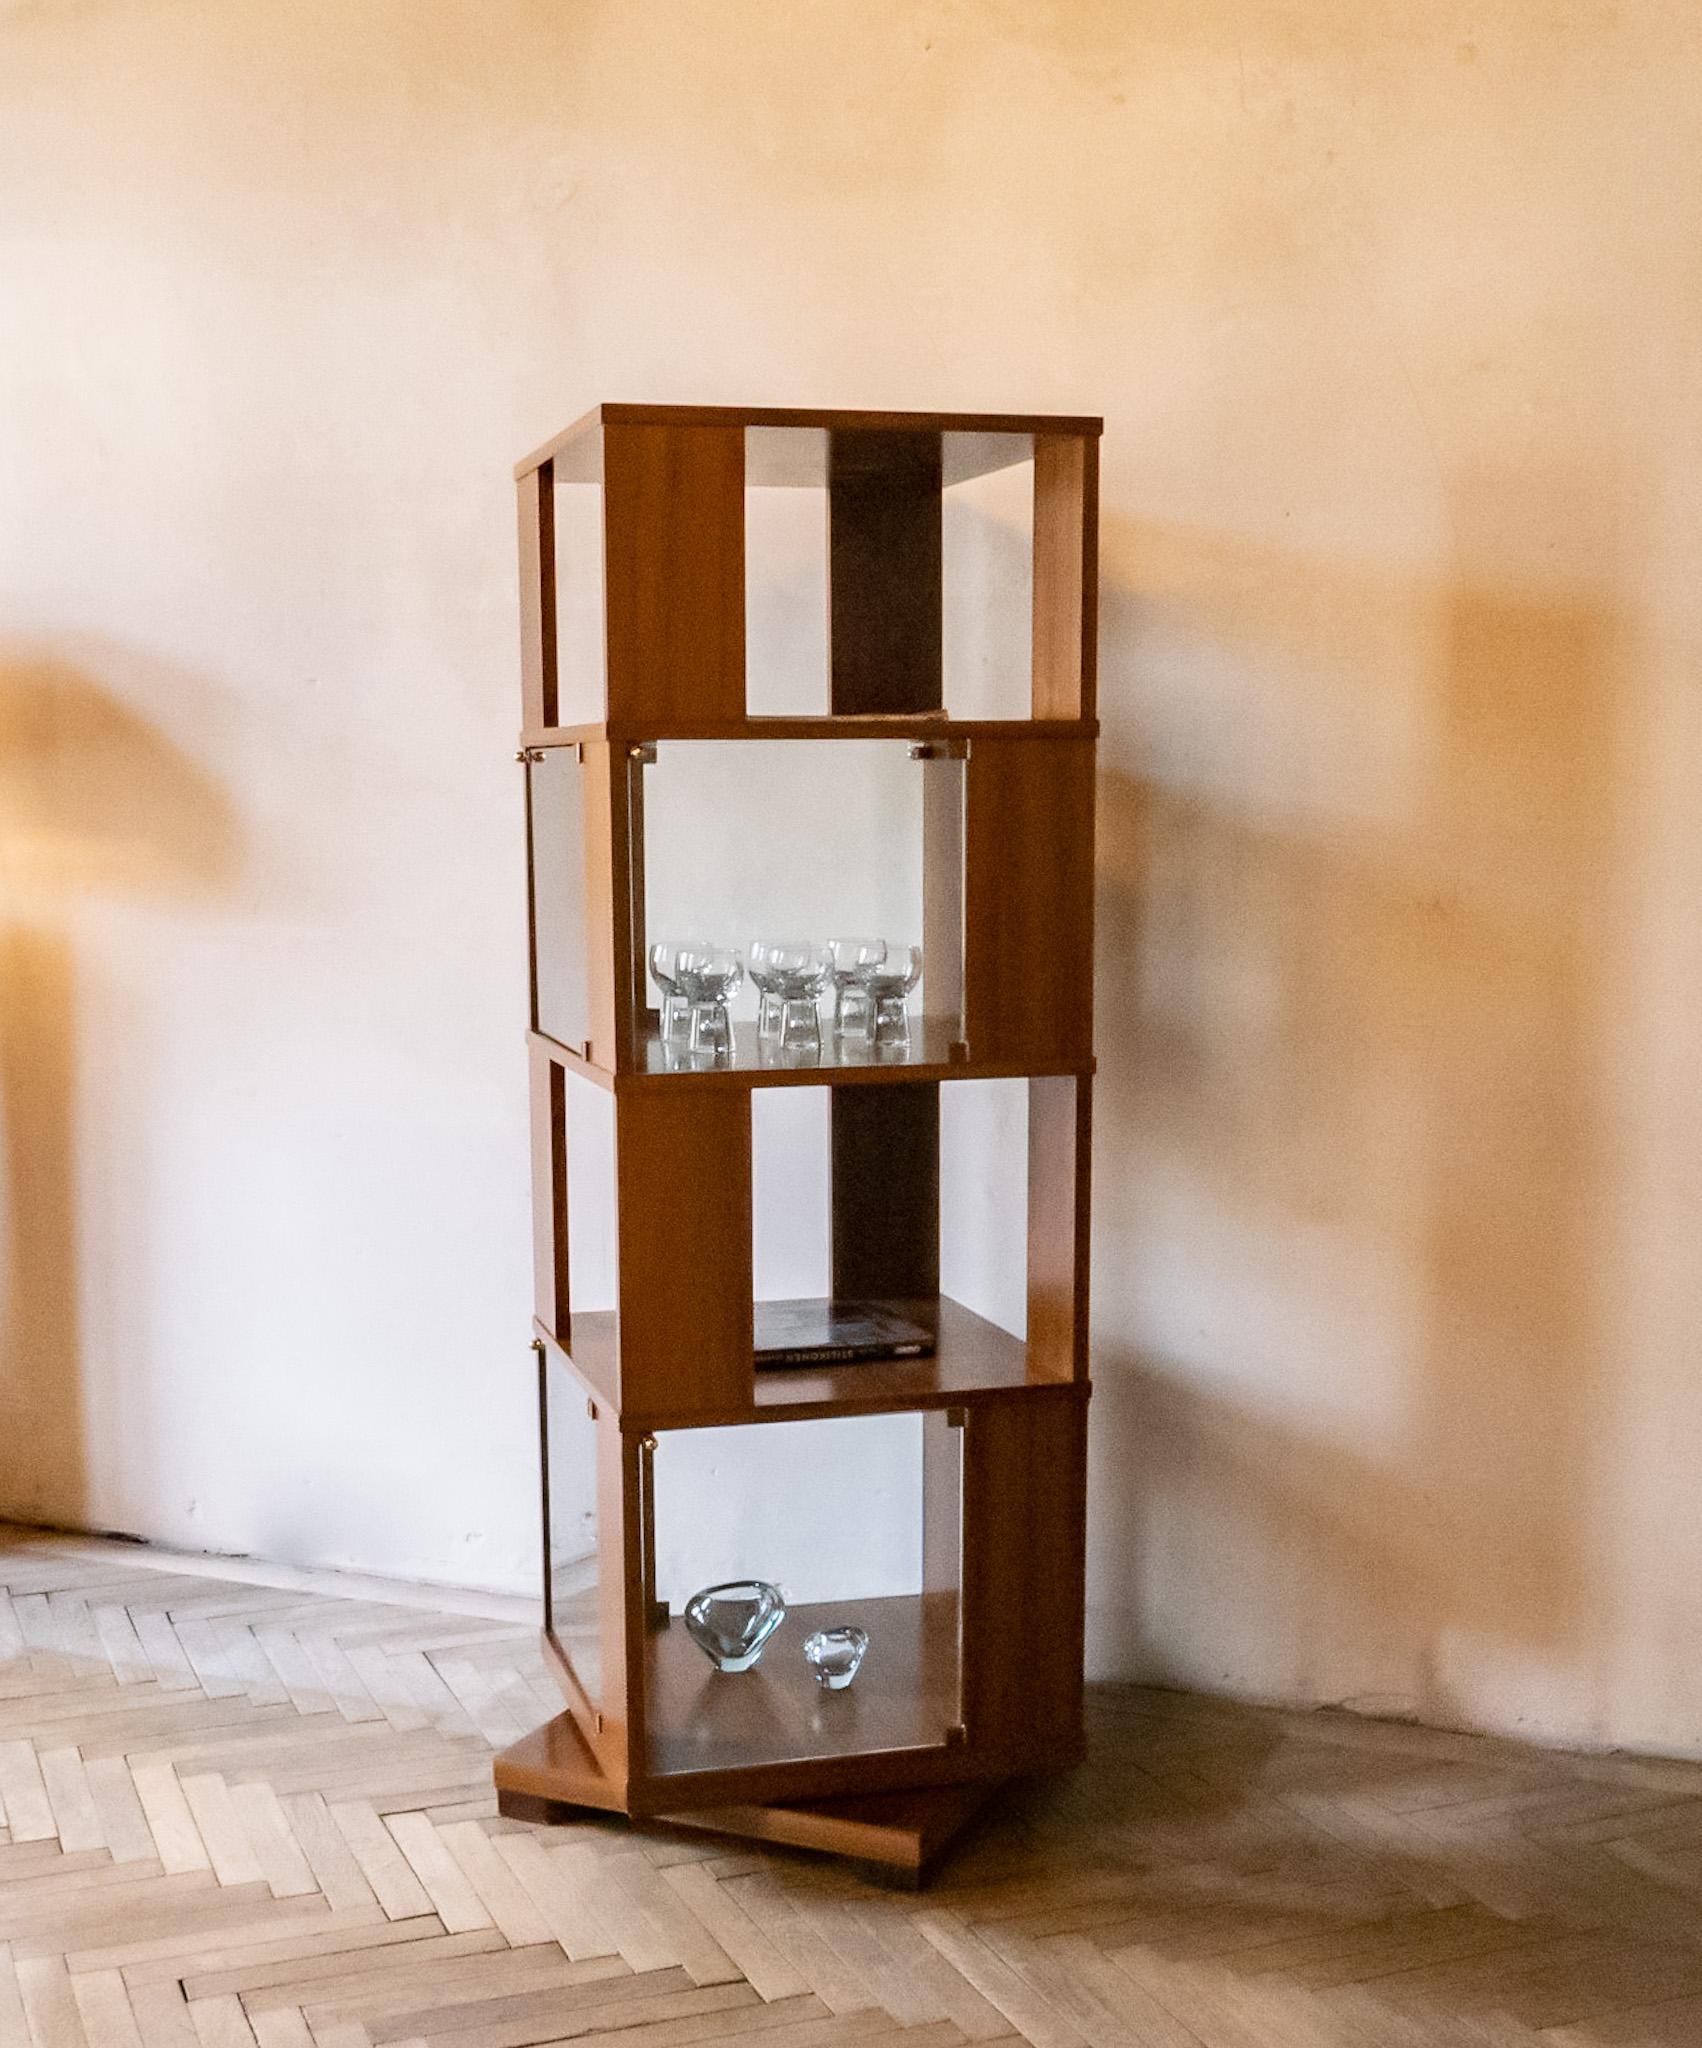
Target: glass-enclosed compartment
{"x":797,"y":904}
{"x":802,"y":1588}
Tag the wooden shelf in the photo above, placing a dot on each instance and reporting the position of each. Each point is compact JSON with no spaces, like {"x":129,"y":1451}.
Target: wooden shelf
{"x":974,"y":1361}
{"x":907,"y":1695}
{"x":915,"y":727}
{"x":928,"y":1058}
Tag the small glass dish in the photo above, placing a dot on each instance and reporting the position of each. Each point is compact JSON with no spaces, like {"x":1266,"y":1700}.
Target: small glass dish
{"x":836,"y":1655}
{"x":731,"y":1623}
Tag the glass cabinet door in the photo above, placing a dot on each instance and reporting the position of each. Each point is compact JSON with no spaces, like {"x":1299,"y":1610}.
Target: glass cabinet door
{"x":555,"y":837}
{"x":572,"y":1580}
{"x":855,"y":1525}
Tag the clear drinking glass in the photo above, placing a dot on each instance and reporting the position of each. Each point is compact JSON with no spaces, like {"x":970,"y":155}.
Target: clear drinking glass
{"x":707,"y":977}
{"x":664,"y":955}
{"x":851,"y":958}
{"x":791,"y":976}
{"x":886,"y":987}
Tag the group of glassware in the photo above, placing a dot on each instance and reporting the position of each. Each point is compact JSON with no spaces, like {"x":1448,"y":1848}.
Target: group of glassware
{"x":731,"y":1625}
{"x":871,"y":981}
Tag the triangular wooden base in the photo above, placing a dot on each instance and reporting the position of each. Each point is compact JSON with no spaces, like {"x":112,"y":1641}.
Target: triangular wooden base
{"x":894,"y":1837}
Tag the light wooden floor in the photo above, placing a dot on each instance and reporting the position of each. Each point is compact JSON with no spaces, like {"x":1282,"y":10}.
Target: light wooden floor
{"x":254,"y":1815}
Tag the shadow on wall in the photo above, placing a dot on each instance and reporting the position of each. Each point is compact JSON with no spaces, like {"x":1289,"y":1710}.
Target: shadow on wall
{"x":95,"y":803}
{"x":1347,"y":1176}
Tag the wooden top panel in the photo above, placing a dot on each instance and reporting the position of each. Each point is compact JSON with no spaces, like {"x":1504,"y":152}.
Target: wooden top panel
{"x":807,"y":419}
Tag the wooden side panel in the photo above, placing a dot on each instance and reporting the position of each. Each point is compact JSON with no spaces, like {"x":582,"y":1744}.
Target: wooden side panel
{"x":886,"y":1191}
{"x":537,"y":506}
{"x":1024,"y":1565}
{"x":683,"y":1178}
{"x":674,"y":562}
{"x":884,"y":628}
{"x":884,"y":572}
{"x":1028,"y":889}
{"x":1066,"y":542}
{"x":549,"y":1194}
{"x":1060,"y":1137}
{"x":603,"y":781}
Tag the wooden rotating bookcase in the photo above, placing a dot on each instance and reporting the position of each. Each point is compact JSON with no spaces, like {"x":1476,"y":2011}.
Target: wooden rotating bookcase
{"x":974,"y":1676}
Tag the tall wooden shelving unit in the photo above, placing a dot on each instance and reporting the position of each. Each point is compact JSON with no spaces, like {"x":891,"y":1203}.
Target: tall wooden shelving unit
{"x":978,"y":1674}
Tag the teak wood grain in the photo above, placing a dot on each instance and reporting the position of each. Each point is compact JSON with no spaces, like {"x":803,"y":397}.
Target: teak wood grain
{"x":1024,"y":1579}
{"x":1060,"y":1144}
{"x":1065,"y":575}
{"x":683,"y":1237}
{"x":674,"y":546}
{"x":885,"y":604}
{"x":1028,"y":901}
{"x":607,"y":1003}
{"x":885,"y":1192}
{"x":535,"y":495}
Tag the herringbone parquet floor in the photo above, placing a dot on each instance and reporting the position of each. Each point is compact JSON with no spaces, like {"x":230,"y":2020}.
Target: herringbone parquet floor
{"x":247,"y":1814}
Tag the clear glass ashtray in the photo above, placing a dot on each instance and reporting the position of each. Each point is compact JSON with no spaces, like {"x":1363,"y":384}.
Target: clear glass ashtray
{"x":732,"y":1623}
{"x":836,"y":1655}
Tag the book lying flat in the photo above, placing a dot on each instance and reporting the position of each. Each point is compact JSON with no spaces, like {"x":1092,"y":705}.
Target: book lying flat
{"x":819,"y":1332}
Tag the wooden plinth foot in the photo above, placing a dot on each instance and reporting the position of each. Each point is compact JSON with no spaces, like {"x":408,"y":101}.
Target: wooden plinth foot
{"x":894,"y":1838}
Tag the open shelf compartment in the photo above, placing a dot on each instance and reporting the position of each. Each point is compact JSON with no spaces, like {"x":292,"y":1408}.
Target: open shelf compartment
{"x":680,"y":565}
{"x":959,"y":1206}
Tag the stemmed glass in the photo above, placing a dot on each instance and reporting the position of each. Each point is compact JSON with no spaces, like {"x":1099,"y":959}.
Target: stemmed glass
{"x":664,"y":956}
{"x":851,"y":957}
{"x":791,"y":975}
{"x":706,"y":977}
{"x":886,"y":986}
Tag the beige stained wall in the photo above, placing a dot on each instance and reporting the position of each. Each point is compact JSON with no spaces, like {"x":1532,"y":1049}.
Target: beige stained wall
{"x":1395,"y":317}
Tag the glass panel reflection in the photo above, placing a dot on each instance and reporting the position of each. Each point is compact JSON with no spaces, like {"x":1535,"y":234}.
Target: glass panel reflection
{"x":853,"y":1527}
{"x":572,"y":1607}
{"x":556,"y":817}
